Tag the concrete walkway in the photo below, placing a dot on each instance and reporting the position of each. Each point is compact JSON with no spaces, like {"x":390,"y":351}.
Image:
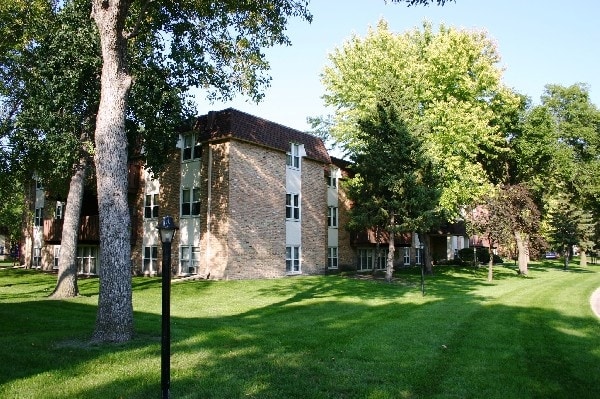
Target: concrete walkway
{"x":595,"y":302}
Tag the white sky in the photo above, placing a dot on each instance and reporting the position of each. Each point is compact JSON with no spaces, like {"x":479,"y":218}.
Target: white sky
{"x":540,"y":41}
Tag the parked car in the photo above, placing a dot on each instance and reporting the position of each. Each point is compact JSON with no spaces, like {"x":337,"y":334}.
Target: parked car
{"x":551,"y":255}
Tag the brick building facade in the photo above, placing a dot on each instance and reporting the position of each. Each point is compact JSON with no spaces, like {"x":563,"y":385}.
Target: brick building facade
{"x":253,"y":199}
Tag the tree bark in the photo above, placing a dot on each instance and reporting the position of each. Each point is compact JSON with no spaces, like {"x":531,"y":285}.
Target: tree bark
{"x":66,"y":284}
{"x":523,"y":256}
{"x":389,"y":270}
{"x":582,"y":258}
{"x":427,"y":253}
{"x":490,"y":262}
{"x":114,"y":321}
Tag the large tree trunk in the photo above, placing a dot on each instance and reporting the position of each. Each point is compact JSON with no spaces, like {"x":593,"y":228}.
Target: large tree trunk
{"x":522,"y":251}
{"x":66,"y":284}
{"x":490,"y":262}
{"x":26,"y":246}
{"x":114,"y":321}
{"x":389,"y":270}
{"x":426,"y":255}
{"x":582,"y":258}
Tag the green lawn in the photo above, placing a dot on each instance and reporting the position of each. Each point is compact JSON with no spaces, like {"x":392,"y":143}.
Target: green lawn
{"x":315,"y":337}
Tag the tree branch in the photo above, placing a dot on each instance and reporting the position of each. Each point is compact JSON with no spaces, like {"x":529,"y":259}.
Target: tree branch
{"x":134,"y":32}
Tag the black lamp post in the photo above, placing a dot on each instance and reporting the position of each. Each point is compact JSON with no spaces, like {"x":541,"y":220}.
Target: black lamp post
{"x":421,"y":246}
{"x":166,"y":229}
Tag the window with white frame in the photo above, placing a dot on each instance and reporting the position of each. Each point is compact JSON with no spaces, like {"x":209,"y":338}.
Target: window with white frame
{"x":59,"y":210}
{"x":381,"y":259}
{"x":189,"y":261}
{"x":332,"y":216}
{"x":333,"y":180}
{"x":37,"y":257}
{"x":191,"y":148}
{"x":365,"y":259}
{"x":151,"y":206}
{"x":150,"y":259}
{"x":293,"y":156}
{"x":56,"y":256}
{"x":406,"y":256}
{"x":292,"y":206}
{"x":87,"y":258}
{"x":292,"y":259}
{"x":39,"y":217}
{"x":418,"y":256}
{"x":190,"y":201}
{"x":332,"y":257}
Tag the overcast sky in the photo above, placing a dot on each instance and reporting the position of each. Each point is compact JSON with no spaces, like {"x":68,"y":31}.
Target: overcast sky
{"x":540,"y":42}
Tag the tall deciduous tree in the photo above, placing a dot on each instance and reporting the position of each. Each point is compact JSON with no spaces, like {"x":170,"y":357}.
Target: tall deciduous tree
{"x":215,"y":45}
{"x":577,"y":134}
{"x":452,"y":94}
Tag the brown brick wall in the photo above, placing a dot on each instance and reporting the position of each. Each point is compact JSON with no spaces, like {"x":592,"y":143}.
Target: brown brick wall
{"x":214,"y":255}
{"x":346,"y":254}
{"x":170,"y":185}
{"x":314,"y":218}
{"x":257,"y":212}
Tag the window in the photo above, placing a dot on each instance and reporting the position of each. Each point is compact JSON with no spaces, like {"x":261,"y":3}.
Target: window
{"x":365,"y":259}
{"x":292,"y":259}
{"x":381,"y":261}
{"x":293,"y":157}
{"x":332,"y":216}
{"x":86,"y":259}
{"x":418,"y":256}
{"x":150,"y":260}
{"x":406,"y":256}
{"x":191,"y":148}
{"x":292,"y":206}
{"x":37,"y":257}
{"x":59,"y":211}
{"x":151,"y":206}
{"x":332,"y":181}
{"x":56,"y":256}
{"x":39,"y":185}
{"x":190,"y":201}
{"x":190,"y":260}
{"x":332,"y":257}
{"x":39,"y":217}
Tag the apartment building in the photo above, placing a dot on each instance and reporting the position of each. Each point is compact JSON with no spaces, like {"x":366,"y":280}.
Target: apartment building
{"x":252,"y":198}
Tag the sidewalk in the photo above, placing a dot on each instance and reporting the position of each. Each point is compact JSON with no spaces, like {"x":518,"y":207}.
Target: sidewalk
{"x":595,"y":302}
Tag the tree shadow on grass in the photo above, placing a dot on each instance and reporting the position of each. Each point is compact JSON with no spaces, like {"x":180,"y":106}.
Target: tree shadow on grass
{"x":325,"y":337}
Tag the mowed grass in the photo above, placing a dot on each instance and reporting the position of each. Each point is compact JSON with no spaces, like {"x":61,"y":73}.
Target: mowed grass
{"x":314,"y":337}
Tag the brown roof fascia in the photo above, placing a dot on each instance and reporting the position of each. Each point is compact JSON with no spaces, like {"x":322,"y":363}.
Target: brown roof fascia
{"x":233,"y":124}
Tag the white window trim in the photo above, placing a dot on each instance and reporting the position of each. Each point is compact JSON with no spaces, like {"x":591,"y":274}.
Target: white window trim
{"x":153,"y":205}
{"x":293,"y":157}
{"x":294,"y":198}
{"x":368,"y":258}
{"x":406,"y":256}
{"x":332,"y":255}
{"x":194,"y":148}
{"x":333,"y":217}
{"x":192,"y":190}
{"x":293,"y":255}
{"x":191,"y":261}
{"x":153,"y":264}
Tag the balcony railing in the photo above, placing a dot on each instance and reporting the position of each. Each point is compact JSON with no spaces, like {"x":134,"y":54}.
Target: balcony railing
{"x":89,"y":229}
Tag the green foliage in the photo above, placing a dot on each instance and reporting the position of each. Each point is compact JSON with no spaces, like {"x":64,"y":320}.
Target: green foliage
{"x":574,"y":197}
{"x":476,"y":255}
{"x":450,"y":91}
{"x":394,"y":179}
